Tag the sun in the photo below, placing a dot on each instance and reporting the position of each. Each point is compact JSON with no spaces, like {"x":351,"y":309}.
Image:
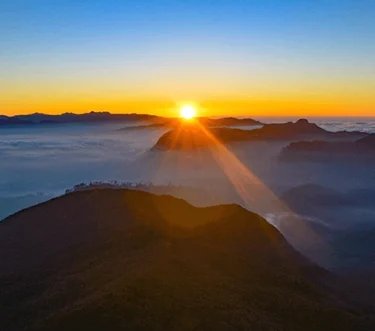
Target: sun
{"x":188,"y":112}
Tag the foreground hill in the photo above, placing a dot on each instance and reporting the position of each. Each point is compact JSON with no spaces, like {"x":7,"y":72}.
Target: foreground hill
{"x":131,"y":260}
{"x":193,"y":137}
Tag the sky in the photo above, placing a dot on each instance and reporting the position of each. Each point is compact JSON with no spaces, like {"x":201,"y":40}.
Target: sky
{"x":227,"y":57}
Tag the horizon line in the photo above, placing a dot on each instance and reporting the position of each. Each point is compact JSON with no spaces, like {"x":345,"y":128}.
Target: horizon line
{"x":169,"y":116}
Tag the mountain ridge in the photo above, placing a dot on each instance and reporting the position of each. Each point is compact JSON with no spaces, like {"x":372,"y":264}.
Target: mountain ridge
{"x":192,"y":137}
{"x":125,"y":259}
{"x":91,"y":117}
{"x":205,"y":121}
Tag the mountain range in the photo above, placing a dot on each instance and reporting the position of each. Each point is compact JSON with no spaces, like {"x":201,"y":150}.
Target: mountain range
{"x":190,"y":137}
{"x":92,"y":117}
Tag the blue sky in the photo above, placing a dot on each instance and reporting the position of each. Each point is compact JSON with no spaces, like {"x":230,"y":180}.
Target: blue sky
{"x":223,"y":49}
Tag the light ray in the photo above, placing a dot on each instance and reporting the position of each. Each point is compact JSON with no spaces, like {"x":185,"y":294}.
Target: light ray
{"x":254,"y":194}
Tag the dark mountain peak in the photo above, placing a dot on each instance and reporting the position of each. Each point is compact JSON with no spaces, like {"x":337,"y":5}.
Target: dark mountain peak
{"x":229,"y":121}
{"x":302,"y":121}
{"x":103,"y":113}
{"x":300,"y":127}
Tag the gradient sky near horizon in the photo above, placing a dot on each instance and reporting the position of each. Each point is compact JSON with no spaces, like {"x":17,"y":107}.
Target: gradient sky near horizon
{"x":229,"y":57}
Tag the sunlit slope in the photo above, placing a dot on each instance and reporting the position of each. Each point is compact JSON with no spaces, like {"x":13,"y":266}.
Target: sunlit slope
{"x":129,"y":260}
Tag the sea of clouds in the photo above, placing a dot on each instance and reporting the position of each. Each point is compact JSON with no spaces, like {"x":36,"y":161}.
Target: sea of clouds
{"x":41,"y":162}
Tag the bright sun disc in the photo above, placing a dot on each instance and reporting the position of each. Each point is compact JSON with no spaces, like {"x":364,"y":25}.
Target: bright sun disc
{"x":188,"y":112}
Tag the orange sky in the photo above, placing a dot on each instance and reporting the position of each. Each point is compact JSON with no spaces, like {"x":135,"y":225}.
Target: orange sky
{"x":216,"y":91}
{"x":218,"y":107}
{"x":282,"y":58}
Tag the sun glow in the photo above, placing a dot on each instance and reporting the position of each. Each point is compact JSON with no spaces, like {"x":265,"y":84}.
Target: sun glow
{"x":188,"y":112}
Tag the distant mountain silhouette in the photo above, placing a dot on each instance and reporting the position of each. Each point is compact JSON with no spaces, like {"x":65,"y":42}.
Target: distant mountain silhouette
{"x":229,"y":121}
{"x":362,"y":149}
{"x":6,"y":120}
{"x":131,"y":260}
{"x":205,"y":121}
{"x":97,"y":117}
{"x":192,"y":137}
{"x":92,"y":117}
{"x":302,"y":126}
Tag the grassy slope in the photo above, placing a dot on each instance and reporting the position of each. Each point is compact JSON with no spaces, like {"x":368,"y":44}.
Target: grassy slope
{"x":128,"y":260}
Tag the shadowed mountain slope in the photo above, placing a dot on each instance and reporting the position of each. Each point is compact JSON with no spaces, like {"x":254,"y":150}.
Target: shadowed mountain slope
{"x":172,"y":123}
{"x":131,"y":260}
{"x":193,"y":137}
{"x":316,"y":151}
